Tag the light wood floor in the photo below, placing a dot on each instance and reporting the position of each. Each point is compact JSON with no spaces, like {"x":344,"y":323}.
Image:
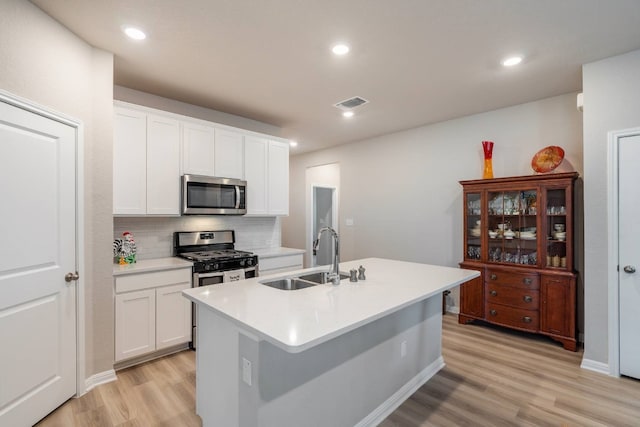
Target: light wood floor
{"x":493,"y":377}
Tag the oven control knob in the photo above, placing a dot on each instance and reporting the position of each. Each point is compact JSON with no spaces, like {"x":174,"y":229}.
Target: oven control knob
{"x":249,"y":261}
{"x":215,"y":266}
{"x":242,"y":263}
{"x":207,"y":267}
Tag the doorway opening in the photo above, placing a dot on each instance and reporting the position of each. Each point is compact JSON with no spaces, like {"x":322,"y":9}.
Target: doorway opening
{"x":323,"y":183}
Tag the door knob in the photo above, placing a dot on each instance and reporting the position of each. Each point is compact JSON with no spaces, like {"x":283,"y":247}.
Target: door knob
{"x":629,"y":269}
{"x":71,"y":276}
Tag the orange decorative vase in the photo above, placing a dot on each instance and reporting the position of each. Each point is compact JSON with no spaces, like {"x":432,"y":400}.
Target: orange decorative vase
{"x":487,"y":147}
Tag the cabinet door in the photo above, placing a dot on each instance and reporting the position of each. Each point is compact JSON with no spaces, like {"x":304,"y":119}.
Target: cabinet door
{"x":228,"y":157}
{"x":135,"y":323}
{"x":163,"y":166}
{"x":129,"y":162}
{"x":173,"y":316}
{"x":472,"y":298}
{"x":278,"y":178}
{"x":255,"y":173}
{"x":197,"y":149}
{"x":558,"y":305}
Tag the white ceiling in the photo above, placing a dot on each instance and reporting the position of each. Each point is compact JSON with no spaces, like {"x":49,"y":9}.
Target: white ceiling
{"x":416,"y":61}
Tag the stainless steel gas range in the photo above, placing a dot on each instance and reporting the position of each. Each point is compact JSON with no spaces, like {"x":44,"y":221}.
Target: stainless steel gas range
{"x":215,"y":260}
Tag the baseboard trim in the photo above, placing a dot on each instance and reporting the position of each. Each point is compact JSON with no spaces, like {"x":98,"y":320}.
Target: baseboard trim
{"x":454,"y":309}
{"x":592,"y":365}
{"x":98,"y":379}
{"x":396,"y":399}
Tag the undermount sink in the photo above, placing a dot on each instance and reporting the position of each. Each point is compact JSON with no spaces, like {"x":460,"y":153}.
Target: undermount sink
{"x":288,"y":284}
{"x":320,"y":277}
{"x":301,"y":282}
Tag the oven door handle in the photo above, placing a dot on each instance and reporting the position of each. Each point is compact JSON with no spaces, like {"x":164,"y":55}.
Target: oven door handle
{"x":237,"y":197}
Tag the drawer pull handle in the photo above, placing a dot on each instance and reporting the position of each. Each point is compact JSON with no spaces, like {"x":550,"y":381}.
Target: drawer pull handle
{"x":527,"y":280}
{"x":526,"y":319}
{"x":493,"y":277}
{"x":493,"y":312}
{"x":493,"y":293}
{"x":527,"y":298}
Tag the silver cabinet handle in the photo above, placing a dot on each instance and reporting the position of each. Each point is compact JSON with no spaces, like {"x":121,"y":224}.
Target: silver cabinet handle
{"x":493,"y":277}
{"x":493,"y":293}
{"x":629,"y":269}
{"x":527,"y":298}
{"x":71,"y":276}
{"x":527,"y":280}
{"x":493,"y":312}
{"x":527,"y":319}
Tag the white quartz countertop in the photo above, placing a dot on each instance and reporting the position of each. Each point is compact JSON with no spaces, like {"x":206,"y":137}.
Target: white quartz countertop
{"x":149,"y":265}
{"x":300,"y":319}
{"x":276,"y":252}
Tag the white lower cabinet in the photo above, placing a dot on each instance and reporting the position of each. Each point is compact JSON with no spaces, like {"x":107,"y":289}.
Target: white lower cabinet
{"x":280,"y":264}
{"x":150,"y":312}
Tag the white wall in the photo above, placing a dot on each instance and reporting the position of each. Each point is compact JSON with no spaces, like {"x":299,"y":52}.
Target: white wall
{"x":611,"y":102}
{"x":42,"y":61}
{"x":402,"y":189}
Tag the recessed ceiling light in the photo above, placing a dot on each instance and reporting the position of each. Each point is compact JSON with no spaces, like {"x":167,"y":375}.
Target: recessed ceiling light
{"x":134,"y":33}
{"x":347,"y":114}
{"x":511,"y":61}
{"x":340,"y":49}
{"x":293,"y":143}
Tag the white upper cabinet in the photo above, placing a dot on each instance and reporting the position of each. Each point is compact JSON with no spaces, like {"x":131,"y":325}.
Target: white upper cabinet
{"x":278,"y":178}
{"x":266,"y":166}
{"x":153,"y":148}
{"x":163,"y":166}
{"x":197,"y":149}
{"x":146,"y":164}
{"x":228,"y":157}
{"x":255,"y":173}
{"x":129,"y":162}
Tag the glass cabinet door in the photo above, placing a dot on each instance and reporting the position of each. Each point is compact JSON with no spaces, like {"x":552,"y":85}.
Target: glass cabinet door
{"x":473,"y":226}
{"x":556,"y":229}
{"x":512,"y":227}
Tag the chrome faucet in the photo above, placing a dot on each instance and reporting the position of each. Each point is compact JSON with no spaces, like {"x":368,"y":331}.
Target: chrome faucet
{"x":334,"y":272}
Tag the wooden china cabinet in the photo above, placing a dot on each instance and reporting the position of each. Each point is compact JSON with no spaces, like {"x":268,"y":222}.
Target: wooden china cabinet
{"x":519,"y":235}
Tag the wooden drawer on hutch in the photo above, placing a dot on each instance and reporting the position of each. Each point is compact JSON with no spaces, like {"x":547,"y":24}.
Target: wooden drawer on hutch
{"x":514,"y":317}
{"x":516,"y":280}
{"x":516,"y":297}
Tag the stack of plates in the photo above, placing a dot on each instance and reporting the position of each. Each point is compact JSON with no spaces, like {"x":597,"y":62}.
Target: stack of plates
{"x":528,"y":235}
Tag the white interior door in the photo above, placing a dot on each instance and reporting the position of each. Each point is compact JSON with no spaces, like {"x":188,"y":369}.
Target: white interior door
{"x":629,"y":254}
{"x":37,"y":305}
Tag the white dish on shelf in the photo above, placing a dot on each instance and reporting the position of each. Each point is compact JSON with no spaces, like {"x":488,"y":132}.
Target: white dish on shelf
{"x":528,"y":237}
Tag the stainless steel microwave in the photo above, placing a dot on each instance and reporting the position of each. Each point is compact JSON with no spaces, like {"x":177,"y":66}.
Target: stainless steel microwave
{"x":206,"y":195}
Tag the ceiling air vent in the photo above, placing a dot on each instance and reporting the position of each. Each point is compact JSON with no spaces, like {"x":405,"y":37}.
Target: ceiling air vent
{"x":351,"y":103}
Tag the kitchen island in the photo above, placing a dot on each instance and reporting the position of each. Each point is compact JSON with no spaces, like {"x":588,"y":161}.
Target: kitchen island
{"x":325,"y":355}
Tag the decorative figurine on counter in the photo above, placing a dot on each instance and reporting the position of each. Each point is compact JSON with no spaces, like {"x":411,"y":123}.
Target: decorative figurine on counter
{"x":125,"y":249}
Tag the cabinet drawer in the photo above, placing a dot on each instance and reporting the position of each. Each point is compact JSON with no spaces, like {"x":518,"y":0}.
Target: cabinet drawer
{"x":517,"y":280}
{"x":514,"y":317}
{"x":139,"y":281}
{"x":515,"y":297}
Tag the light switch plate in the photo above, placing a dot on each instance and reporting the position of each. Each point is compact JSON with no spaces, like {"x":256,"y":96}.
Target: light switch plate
{"x":348,"y":222}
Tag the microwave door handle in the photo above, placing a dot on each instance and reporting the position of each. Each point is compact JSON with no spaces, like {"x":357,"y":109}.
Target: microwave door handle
{"x":237,"y":197}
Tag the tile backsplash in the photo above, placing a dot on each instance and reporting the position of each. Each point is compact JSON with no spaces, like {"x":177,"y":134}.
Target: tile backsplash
{"x":154,"y":235}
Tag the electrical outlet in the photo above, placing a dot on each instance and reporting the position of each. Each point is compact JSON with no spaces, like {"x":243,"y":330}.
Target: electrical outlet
{"x":246,"y":371}
{"x":348,"y":222}
{"x":403,"y":349}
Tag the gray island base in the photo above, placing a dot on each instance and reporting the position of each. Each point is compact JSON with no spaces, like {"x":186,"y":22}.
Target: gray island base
{"x":327,"y":355}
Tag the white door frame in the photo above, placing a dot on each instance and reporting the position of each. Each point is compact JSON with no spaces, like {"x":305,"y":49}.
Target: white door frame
{"x":311,"y":212}
{"x":613,"y":257}
{"x":35,"y":108}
